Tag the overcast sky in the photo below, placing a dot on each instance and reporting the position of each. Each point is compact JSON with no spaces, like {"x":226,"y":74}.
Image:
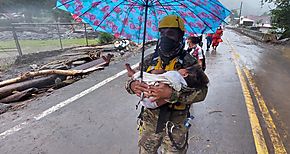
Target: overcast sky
{"x":250,"y":7}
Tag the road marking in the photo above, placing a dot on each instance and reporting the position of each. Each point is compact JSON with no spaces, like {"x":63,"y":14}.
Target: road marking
{"x":62,"y":104}
{"x":259,"y":139}
{"x":271,"y":127}
{"x":13,"y":130}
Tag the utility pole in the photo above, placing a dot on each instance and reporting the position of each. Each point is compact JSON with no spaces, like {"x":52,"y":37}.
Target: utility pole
{"x":241,"y":7}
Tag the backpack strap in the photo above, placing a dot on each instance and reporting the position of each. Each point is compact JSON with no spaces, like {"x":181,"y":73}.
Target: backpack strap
{"x":181,"y":57}
{"x":203,"y":60}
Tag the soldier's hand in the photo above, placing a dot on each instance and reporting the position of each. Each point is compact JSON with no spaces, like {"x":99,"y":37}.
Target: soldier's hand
{"x":160,"y":92}
{"x":138,"y":87}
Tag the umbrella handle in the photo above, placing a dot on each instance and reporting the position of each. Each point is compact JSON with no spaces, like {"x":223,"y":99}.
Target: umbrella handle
{"x":144,"y":37}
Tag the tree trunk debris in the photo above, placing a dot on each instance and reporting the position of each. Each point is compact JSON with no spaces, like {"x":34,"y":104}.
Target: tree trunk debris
{"x":51,"y":77}
{"x":58,"y":73}
{"x":82,"y":69}
{"x":18,"y":95}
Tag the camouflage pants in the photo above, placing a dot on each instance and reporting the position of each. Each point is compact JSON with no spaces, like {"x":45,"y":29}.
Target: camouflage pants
{"x":149,"y":141}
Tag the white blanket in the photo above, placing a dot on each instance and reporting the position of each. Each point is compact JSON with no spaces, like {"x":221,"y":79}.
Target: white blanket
{"x":173,"y":78}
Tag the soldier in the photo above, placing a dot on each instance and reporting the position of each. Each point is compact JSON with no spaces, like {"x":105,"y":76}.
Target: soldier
{"x":165,"y":124}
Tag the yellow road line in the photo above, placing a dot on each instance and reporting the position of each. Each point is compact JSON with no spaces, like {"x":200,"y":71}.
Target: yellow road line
{"x":271,"y":127}
{"x":259,"y":139}
{"x":256,"y":128}
{"x":278,"y":145}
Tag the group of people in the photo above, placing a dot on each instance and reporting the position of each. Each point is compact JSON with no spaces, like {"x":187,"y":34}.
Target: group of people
{"x":214,"y":39}
{"x":194,"y":45}
{"x":173,"y":79}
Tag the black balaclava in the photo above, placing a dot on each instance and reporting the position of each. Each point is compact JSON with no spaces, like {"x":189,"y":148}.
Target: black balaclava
{"x":169,"y":46}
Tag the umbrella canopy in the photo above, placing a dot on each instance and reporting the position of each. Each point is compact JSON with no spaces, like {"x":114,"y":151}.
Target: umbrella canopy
{"x":74,"y":16}
{"x":126,"y":18}
{"x":138,"y":19}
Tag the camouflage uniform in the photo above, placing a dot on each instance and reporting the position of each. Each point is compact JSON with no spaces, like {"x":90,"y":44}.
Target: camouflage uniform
{"x":149,"y":139}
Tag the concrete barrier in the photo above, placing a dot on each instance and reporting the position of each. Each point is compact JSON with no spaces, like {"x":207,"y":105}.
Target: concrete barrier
{"x":263,"y":37}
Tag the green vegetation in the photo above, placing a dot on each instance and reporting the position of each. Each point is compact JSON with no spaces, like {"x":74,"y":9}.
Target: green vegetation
{"x":45,"y":44}
{"x":280,"y":15}
{"x":105,"y":37}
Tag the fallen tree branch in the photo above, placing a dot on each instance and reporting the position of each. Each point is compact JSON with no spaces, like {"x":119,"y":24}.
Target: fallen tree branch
{"x":18,"y":95}
{"x":34,"y":83}
{"x":77,"y":71}
{"x":29,"y":75}
{"x":49,"y":80}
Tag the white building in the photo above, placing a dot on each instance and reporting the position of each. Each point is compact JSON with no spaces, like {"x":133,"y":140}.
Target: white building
{"x":246,"y":21}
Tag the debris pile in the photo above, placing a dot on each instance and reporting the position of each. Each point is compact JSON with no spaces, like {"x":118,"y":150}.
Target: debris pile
{"x":49,"y":73}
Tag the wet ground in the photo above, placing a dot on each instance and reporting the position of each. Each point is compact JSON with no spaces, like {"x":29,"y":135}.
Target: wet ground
{"x":270,"y":67}
{"x":96,"y":115}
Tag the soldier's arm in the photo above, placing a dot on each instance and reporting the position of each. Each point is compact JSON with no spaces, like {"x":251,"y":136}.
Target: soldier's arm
{"x":189,"y":95}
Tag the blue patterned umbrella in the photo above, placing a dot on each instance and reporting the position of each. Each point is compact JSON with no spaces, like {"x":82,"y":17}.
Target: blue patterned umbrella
{"x":138,"y":19}
{"x":126,"y":18}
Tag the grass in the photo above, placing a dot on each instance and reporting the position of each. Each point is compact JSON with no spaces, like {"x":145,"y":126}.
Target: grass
{"x":33,"y":45}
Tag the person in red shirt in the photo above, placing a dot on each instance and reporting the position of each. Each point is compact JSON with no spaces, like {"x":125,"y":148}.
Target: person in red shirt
{"x":216,"y":38}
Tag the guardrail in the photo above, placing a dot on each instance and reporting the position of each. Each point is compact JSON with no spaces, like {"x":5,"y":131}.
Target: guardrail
{"x":263,"y":37}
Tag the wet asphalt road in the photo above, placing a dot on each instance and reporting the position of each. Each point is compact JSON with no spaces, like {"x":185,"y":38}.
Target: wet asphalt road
{"x":104,"y":120}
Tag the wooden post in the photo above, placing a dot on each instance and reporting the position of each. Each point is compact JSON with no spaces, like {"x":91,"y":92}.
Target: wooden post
{"x":86,"y":34}
{"x":59,"y":35}
{"x":16,"y":40}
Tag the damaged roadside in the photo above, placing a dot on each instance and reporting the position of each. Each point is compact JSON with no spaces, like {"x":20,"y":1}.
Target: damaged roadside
{"x":39,"y":74}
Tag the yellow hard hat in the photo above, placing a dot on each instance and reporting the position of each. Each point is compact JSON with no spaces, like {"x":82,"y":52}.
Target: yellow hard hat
{"x":172,"y":21}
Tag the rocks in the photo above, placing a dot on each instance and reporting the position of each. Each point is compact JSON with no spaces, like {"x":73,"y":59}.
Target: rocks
{"x":4,"y":107}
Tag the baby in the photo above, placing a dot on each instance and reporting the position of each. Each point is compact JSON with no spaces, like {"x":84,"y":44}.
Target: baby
{"x":175,"y":79}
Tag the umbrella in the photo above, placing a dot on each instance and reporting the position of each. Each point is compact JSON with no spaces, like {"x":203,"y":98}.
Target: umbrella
{"x":74,"y":16}
{"x":138,"y":19}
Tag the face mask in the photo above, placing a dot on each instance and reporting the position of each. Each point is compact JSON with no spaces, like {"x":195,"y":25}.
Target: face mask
{"x":168,"y":45}
{"x":168,"y":49}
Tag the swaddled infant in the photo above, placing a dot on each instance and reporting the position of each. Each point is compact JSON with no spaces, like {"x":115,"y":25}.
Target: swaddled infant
{"x":175,"y":79}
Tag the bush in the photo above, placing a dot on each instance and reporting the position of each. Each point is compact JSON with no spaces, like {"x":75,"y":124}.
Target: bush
{"x":105,"y":38}
{"x":286,"y":34}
